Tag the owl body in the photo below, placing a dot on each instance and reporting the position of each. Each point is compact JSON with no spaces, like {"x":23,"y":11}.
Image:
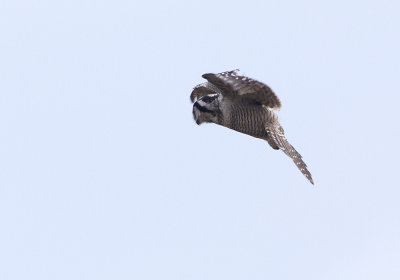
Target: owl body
{"x":245,"y":105}
{"x":245,"y":118}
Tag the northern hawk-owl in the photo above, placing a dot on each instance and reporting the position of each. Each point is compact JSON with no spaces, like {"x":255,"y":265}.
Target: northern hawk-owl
{"x":245,"y":105}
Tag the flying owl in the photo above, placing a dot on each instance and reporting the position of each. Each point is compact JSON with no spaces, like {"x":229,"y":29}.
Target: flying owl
{"x":245,"y":105}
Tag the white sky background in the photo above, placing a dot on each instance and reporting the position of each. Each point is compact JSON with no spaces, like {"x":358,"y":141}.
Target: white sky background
{"x":105,"y":175}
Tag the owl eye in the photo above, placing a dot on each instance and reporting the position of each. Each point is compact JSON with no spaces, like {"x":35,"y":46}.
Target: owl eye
{"x":208,"y":99}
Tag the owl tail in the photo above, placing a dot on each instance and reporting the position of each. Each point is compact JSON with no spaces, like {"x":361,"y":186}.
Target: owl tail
{"x":277,"y":140}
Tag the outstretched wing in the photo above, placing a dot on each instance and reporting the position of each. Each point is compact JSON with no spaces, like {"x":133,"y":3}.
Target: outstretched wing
{"x":235,"y":86}
{"x":277,"y":140}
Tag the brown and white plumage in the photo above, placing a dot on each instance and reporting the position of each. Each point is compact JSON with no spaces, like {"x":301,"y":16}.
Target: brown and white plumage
{"x":245,"y":105}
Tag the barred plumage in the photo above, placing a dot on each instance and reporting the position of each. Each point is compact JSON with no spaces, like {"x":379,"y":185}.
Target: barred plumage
{"x":244,"y":105}
{"x":248,"y":119}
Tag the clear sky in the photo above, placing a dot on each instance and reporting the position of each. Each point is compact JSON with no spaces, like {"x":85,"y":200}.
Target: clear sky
{"x":105,"y":175}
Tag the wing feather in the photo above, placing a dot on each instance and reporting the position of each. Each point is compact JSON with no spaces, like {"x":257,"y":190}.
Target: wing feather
{"x":203,"y":90}
{"x":234,"y":85}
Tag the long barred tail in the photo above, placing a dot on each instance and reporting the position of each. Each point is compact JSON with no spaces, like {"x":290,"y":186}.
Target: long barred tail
{"x":277,"y":140}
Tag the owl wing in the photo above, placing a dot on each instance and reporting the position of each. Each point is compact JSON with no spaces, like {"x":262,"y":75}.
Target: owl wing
{"x":277,"y":140}
{"x":233,"y":85}
{"x":203,"y":90}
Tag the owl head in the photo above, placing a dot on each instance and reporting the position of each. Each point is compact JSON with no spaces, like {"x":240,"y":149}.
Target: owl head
{"x":206,"y":109}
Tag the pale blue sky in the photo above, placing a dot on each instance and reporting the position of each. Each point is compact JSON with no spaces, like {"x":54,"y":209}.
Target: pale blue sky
{"x":105,"y":175}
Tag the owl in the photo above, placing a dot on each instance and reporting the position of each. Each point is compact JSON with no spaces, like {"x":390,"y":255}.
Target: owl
{"x":245,"y":105}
